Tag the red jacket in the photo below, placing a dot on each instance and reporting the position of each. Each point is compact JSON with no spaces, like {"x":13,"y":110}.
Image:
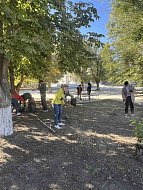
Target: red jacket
{"x":17,"y":96}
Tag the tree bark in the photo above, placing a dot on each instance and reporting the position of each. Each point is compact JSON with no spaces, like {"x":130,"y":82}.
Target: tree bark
{"x":6,"y":127}
{"x":11,"y":72}
{"x":82,"y":85}
{"x":97,"y":84}
{"x":1,"y":55}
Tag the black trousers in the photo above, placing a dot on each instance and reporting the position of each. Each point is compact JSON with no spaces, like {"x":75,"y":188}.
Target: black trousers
{"x":128,"y":103}
{"x":88,"y":93}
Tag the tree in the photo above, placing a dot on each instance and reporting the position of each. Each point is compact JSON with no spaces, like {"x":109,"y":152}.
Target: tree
{"x":63,"y":35}
{"x":109,"y":63}
{"x":33,"y":30}
{"x":94,"y":64}
{"x":20,"y":32}
{"x":70,"y":44}
{"x":125,"y":30}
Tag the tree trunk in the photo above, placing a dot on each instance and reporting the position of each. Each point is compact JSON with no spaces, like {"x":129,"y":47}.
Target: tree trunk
{"x":97,"y":83}
{"x":6,"y":126}
{"x":82,"y":85}
{"x":11,"y":72}
{"x":19,"y":84}
{"x":96,"y":79}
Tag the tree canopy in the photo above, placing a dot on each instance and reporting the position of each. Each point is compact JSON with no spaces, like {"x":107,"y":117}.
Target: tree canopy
{"x":32,"y":31}
{"x":126,"y":33}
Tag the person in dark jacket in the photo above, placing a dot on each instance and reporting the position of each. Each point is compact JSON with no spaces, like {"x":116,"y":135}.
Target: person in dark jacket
{"x":42,"y":88}
{"x":26,"y":96}
{"x":89,"y":90}
{"x":79,"y":90}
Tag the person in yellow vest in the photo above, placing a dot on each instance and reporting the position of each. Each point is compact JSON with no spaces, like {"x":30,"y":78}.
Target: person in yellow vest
{"x":58,"y":102}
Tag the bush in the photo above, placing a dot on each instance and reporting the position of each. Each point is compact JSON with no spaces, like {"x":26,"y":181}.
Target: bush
{"x":138,"y":129}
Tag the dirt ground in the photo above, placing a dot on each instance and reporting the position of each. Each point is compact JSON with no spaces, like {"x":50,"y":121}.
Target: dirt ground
{"x":95,"y":150}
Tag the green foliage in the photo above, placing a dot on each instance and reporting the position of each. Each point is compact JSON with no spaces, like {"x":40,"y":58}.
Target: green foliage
{"x":31,"y":31}
{"x":109,"y":64}
{"x":93,"y":65}
{"x":69,"y":41}
{"x":138,"y":129}
{"x":125,"y":29}
{"x":23,"y":28}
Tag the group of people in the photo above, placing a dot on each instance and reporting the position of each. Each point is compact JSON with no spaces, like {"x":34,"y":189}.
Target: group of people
{"x":57,"y":102}
{"x":18,"y":102}
{"x":59,"y":99}
{"x":79,"y":91}
{"x":127,"y":95}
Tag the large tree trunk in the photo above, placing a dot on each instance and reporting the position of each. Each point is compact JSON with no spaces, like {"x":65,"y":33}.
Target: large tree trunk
{"x":82,"y":85}
{"x":6,"y":126}
{"x":11,"y":73}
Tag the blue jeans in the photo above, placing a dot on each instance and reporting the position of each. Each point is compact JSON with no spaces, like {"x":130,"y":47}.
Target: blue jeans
{"x":58,"y":112}
{"x":15,"y":104}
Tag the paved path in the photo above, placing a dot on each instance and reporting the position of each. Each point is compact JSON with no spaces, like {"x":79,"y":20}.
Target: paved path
{"x":106,"y":92}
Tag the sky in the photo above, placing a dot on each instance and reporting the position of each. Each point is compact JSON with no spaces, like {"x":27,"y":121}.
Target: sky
{"x":99,"y":26}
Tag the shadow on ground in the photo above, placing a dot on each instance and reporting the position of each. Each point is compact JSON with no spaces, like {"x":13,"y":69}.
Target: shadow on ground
{"x":95,"y":150}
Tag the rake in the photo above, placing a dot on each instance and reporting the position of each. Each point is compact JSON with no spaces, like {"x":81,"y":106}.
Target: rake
{"x":49,"y":126}
{"x":115,"y":110}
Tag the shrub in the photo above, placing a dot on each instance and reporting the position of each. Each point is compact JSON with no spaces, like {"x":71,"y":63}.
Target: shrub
{"x":138,"y":129}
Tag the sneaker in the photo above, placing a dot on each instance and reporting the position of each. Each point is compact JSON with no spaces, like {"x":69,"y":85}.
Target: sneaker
{"x":132,"y":115}
{"x":18,"y":113}
{"x":61,"y":124}
{"x":126,"y":116}
{"x":57,"y":127}
{"x":45,"y":110}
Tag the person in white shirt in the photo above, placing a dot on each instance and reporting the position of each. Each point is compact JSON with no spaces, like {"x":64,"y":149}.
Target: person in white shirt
{"x":128,"y":97}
